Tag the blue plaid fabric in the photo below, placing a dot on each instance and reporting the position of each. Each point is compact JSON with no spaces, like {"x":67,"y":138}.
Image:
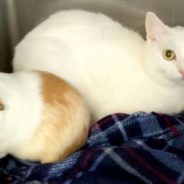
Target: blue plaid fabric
{"x":138,"y":148}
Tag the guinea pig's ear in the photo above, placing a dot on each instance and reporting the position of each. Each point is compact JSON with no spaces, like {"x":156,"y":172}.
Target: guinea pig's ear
{"x":2,"y":107}
{"x":155,"y":27}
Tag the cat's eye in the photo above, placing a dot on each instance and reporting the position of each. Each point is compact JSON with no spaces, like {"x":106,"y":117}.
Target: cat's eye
{"x":169,"y":55}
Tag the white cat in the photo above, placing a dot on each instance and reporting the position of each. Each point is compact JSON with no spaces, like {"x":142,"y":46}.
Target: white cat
{"x":113,"y":67}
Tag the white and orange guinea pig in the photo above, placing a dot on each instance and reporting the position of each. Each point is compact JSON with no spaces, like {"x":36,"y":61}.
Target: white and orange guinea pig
{"x":42,"y":118}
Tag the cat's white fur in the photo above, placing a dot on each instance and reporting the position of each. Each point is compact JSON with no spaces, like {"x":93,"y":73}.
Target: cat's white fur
{"x":113,"y":67}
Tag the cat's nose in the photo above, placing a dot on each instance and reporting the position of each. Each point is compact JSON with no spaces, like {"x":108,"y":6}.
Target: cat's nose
{"x":182,"y":72}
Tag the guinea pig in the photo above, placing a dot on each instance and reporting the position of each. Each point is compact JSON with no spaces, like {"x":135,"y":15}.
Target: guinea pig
{"x":42,"y":117}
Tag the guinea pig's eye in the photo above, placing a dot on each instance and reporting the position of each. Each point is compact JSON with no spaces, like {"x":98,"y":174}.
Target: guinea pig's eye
{"x":169,"y":54}
{"x":1,"y":106}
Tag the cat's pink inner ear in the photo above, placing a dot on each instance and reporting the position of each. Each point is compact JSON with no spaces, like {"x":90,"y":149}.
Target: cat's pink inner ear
{"x":154,"y":27}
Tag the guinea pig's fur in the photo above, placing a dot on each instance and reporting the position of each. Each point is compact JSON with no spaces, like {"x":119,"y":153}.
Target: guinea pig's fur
{"x":42,"y":118}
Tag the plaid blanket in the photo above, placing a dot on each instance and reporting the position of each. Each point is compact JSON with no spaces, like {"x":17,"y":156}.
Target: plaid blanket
{"x":137,"y":148}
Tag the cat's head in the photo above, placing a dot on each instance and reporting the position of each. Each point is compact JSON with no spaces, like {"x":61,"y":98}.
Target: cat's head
{"x":164,"y":57}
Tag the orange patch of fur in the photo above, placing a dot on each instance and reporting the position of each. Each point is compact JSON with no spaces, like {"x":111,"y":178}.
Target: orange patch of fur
{"x":65,"y":122}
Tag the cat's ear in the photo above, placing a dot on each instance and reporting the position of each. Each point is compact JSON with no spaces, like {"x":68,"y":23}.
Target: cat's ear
{"x":154,"y":27}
